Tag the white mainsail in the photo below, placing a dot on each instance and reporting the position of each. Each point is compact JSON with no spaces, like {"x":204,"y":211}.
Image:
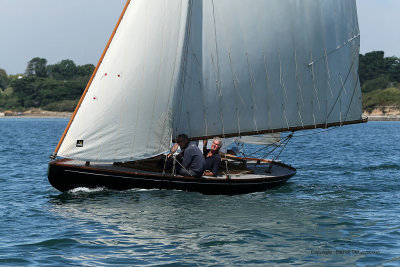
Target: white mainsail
{"x":218,"y":68}
{"x":263,"y":65}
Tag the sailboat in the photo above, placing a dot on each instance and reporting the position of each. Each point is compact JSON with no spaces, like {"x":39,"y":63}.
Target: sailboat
{"x":210,"y":68}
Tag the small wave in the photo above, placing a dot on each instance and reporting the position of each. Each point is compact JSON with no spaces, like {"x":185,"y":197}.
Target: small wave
{"x":383,"y":167}
{"x":14,"y":262}
{"x":53,"y":243}
{"x":86,"y":190}
{"x":220,"y":243}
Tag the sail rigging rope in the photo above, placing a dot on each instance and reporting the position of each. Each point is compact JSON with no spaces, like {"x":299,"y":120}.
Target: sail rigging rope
{"x":283,"y":143}
{"x":340,"y":92}
{"x":276,"y":145}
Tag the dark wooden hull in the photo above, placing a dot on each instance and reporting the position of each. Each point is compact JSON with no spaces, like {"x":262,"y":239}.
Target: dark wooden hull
{"x":64,"y":177}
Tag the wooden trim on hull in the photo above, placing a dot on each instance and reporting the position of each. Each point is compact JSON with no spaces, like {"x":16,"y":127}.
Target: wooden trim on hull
{"x":65,"y":177}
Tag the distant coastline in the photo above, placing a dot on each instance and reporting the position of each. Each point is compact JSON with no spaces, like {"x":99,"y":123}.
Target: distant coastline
{"x":384,"y":118}
{"x":384,"y":113}
{"x":393,"y":115}
{"x":35,"y":113}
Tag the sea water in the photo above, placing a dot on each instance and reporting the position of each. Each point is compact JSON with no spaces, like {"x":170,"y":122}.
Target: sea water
{"x":341,"y":209}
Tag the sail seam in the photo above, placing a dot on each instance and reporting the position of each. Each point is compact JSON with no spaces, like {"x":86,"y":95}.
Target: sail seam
{"x":252,"y":81}
{"x":184,"y":61}
{"x":172,"y":78}
{"x":218,"y":83}
{"x":158,"y":84}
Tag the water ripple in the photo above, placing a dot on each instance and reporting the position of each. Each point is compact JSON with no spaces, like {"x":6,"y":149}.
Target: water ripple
{"x":341,"y":209}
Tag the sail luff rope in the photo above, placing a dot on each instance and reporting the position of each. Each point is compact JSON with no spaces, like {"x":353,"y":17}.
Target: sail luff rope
{"x":91,"y":80}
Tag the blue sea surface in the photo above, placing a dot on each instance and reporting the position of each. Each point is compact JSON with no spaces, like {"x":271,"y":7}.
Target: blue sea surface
{"x":341,"y":209}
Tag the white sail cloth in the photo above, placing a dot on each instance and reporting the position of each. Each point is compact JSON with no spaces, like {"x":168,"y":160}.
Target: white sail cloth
{"x":259,"y":65}
{"x":266,"y":139}
{"x":215,"y":68}
{"x":126,"y":114}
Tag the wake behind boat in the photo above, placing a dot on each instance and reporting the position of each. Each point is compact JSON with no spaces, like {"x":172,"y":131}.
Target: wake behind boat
{"x":227,"y":68}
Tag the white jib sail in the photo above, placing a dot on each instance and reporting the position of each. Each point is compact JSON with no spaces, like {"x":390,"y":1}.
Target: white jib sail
{"x":216,"y":68}
{"x":126,"y":114}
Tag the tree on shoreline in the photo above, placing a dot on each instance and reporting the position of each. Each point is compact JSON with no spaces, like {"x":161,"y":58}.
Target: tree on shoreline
{"x":59,"y":86}
{"x":54,"y":87}
{"x":3,"y":79}
{"x":37,"y":67}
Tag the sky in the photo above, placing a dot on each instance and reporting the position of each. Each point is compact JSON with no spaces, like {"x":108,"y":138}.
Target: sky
{"x":79,"y":29}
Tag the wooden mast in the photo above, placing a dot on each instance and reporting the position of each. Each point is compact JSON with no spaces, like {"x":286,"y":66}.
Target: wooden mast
{"x":91,"y":79}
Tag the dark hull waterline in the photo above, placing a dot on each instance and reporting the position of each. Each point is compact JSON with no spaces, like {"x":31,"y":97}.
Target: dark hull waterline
{"x":64,"y":175}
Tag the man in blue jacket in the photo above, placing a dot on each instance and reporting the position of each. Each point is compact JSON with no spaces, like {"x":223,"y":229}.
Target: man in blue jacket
{"x":192,"y":158}
{"x":212,"y":157}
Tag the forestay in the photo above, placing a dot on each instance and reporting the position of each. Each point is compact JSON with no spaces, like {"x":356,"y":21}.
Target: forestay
{"x":218,"y":68}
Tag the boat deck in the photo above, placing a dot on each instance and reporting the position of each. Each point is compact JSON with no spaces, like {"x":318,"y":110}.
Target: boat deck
{"x":242,"y":176}
{"x":253,"y":169}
